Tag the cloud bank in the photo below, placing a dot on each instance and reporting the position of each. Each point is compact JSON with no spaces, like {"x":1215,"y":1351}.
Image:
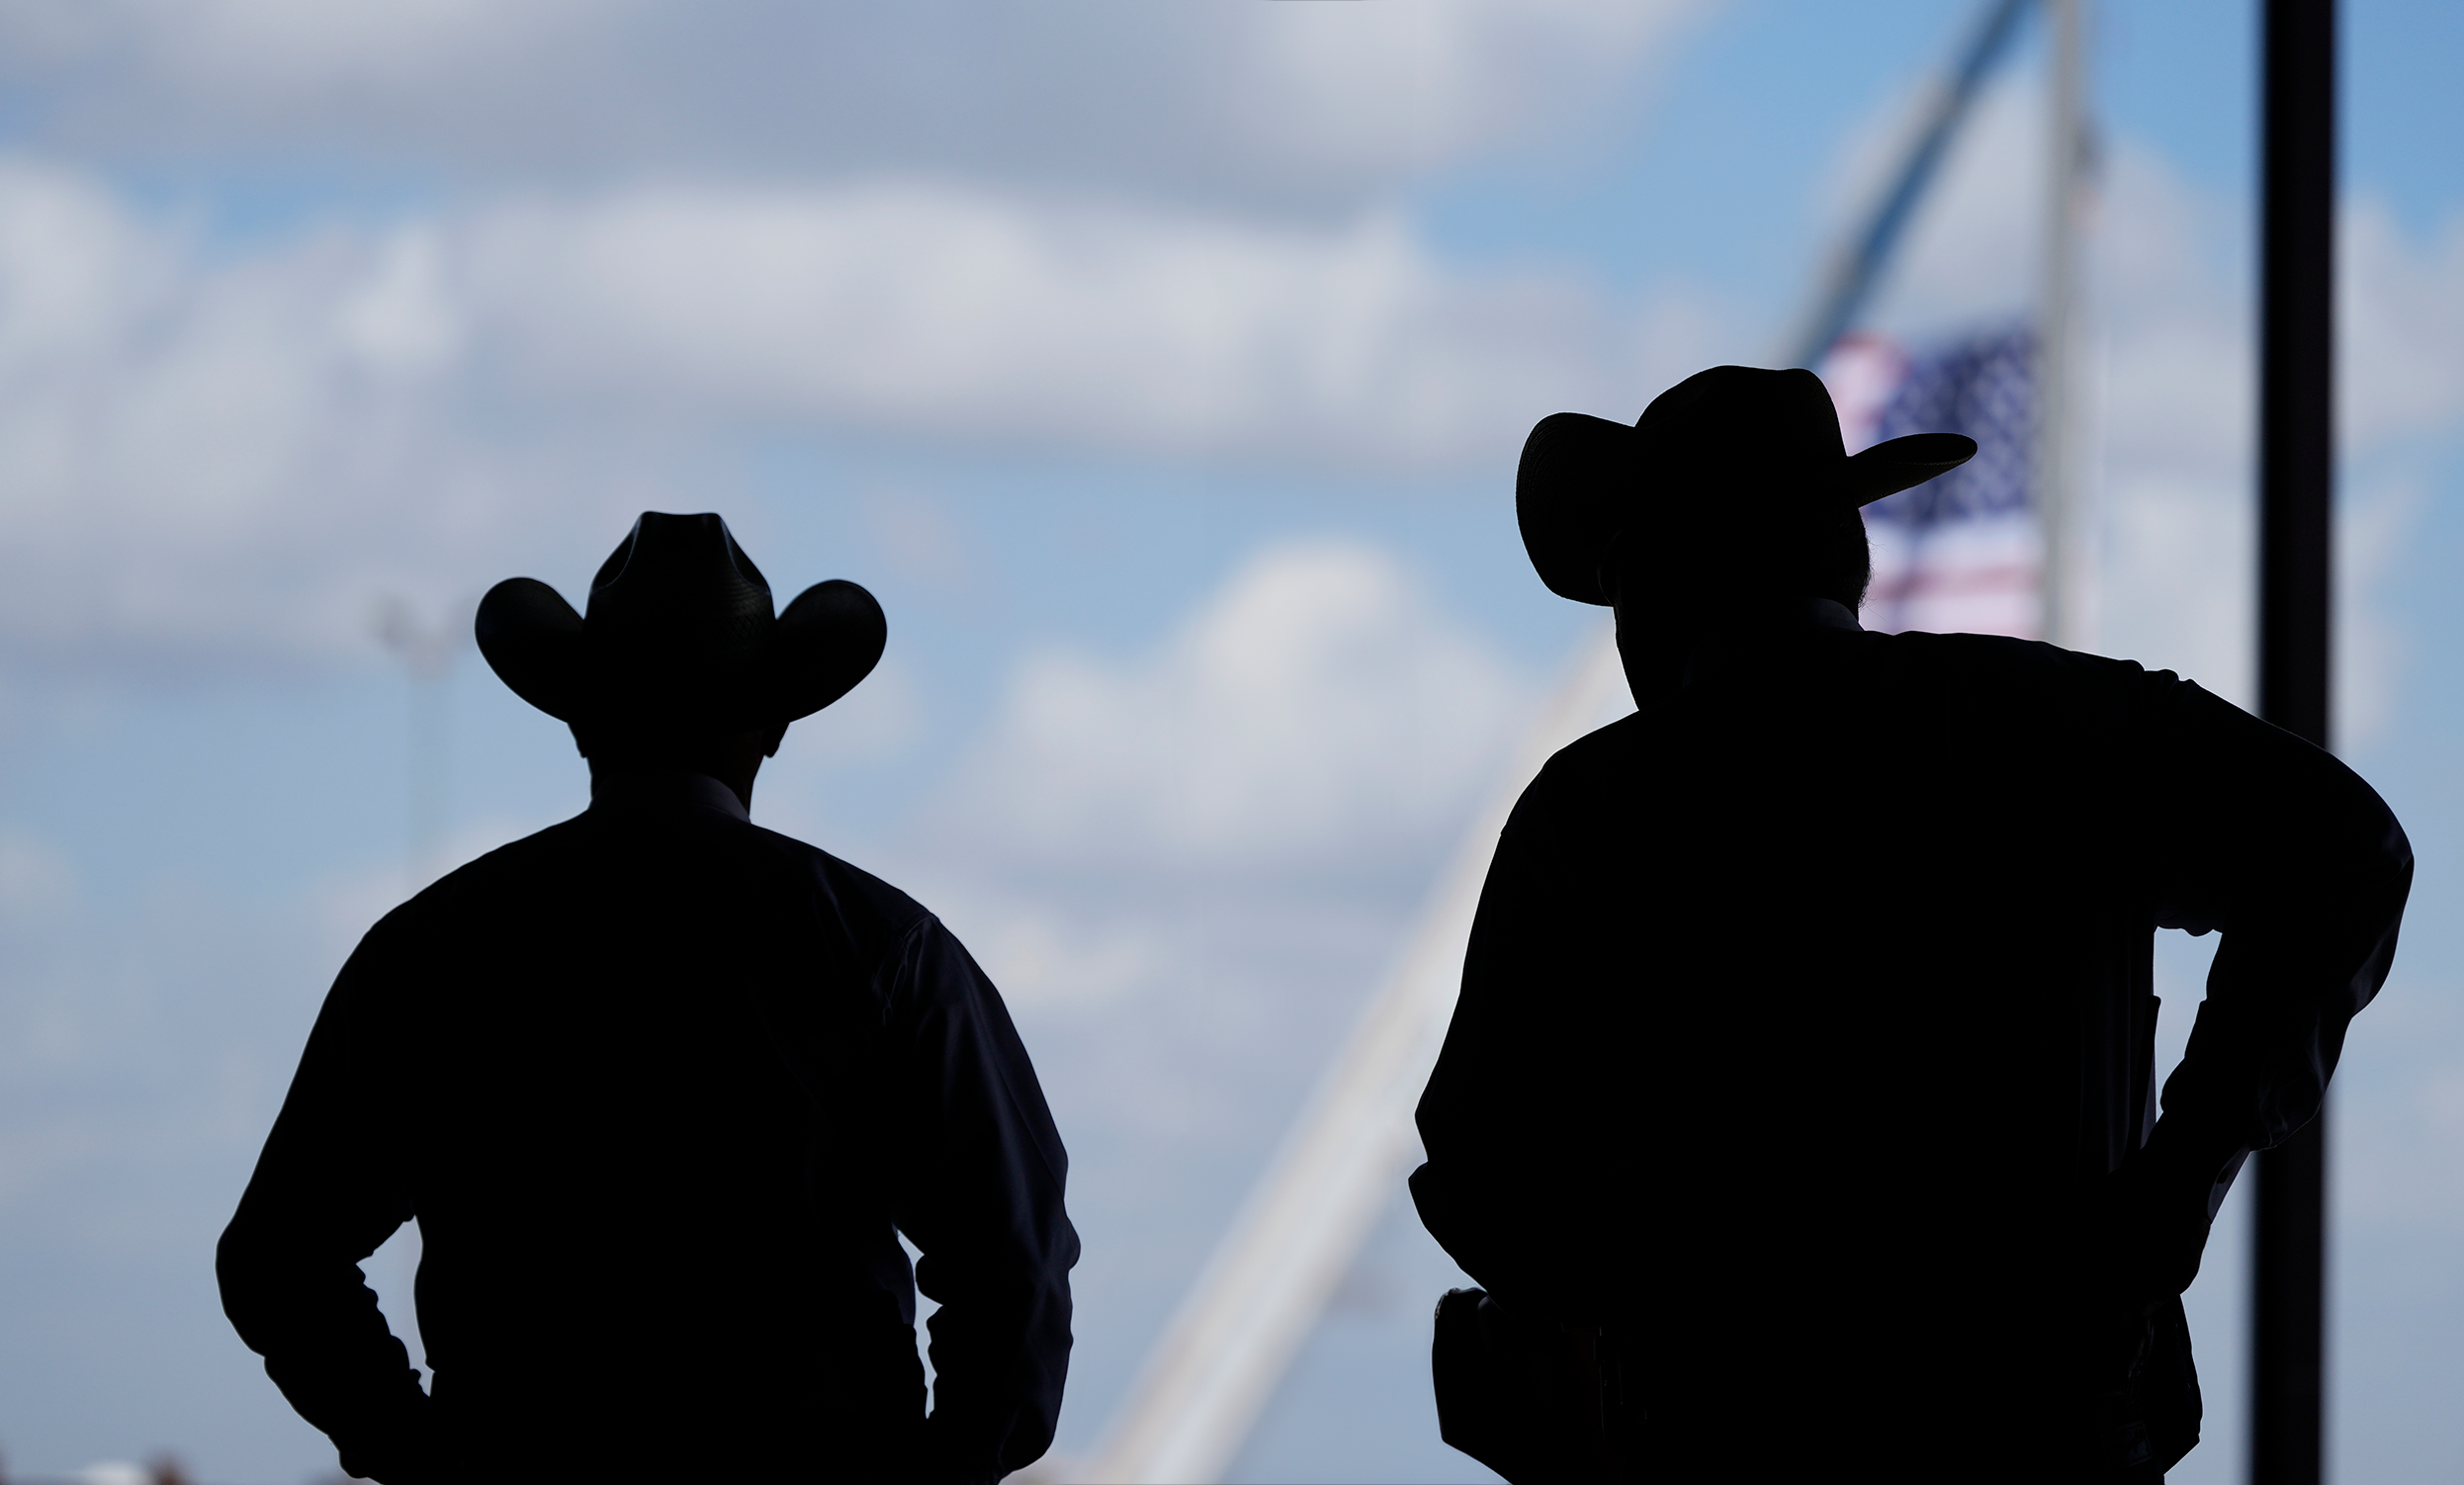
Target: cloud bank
{"x":1317,"y":714}
{"x":1284,"y":108}
{"x":218,"y":454}
{"x":216,"y":457}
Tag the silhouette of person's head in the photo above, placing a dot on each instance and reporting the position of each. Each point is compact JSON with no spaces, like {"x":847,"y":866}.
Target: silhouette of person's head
{"x":677,"y":661}
{"x":1733,"y":486}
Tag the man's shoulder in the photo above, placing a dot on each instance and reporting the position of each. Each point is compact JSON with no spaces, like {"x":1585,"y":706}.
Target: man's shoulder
{"x":491,"y":875}
{"x":1921,"y":653}
{"x":1885,"y":680}
{"x":1606,"y":751}
{"x":2026,"y":682}
{"x":858,"y":898}
{"x":1579,"y":777}
{"x":762,"y":865}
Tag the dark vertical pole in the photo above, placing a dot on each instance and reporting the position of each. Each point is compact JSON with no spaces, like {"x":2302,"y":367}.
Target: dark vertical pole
{"x":2296,"y":453}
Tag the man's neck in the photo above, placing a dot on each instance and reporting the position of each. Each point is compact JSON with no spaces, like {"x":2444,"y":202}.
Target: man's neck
{"x":627,"y":784}
{"x":1661,"y":662}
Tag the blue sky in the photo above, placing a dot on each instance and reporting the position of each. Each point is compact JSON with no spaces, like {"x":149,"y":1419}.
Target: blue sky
{"x":1161,"y":370}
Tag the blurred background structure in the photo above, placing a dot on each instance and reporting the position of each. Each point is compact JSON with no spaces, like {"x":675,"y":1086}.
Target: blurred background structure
{"x":1162,"y":369}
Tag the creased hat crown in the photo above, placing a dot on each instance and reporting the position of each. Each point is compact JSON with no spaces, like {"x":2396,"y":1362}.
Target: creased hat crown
{"x":678,"y":631}
{"x":1731,"y":451}
{"x":681,"y":585}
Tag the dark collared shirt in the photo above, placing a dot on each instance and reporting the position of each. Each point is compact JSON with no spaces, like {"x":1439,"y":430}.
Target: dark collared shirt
{"x":662,"y":1088}
{"x":1807,"y":1012}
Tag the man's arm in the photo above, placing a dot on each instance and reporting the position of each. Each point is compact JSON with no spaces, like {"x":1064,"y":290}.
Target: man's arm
{"x":327,"y":1191}
{"x":1508,"y":1190}
{"x":2306,"y":871}
{"x":980,"y":1191}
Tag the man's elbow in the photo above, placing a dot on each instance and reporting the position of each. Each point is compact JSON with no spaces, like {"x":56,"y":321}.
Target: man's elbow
{"x":249,"y":1272}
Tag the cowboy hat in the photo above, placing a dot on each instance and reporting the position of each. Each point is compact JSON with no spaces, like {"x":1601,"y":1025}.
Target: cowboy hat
{"x":1736,"y":445}
{"x":678,"y":633}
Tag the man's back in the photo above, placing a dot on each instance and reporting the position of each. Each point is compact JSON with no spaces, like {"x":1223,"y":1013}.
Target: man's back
{"x":1809,"y":1007}
{"x":592,"y":1037}
{"x":658,"y":1085}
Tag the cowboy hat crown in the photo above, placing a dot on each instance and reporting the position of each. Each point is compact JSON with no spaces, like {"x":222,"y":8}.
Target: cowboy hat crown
{"x":1735,"y":446}
{"x":678,"y":630}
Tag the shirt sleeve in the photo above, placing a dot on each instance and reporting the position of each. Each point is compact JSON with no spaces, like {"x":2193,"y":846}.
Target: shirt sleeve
{"x":2305,"y":870}
{"x":1504,"y":1111}
{"x":980,"y":1193}
{"x":327,"y":1191}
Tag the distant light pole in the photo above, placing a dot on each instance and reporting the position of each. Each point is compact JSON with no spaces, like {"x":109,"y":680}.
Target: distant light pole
{"x":427,"y":652}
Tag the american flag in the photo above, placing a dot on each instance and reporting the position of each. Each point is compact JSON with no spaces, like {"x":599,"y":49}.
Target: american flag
{"x":1962,"y":552}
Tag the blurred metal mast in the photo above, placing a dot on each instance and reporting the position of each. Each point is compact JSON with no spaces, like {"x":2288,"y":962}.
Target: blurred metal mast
{"x":2296,"y":482}
{"x":1337,"y":1171}
{"x":1855,"y":271}
{"x":2059,"y":520}
{"x":1223,"y":1352}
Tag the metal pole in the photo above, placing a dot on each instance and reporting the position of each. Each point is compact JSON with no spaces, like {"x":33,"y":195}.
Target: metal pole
{"x":426,"y":651}
{"x":2296,"y":451}
{"x":2056,"y":505}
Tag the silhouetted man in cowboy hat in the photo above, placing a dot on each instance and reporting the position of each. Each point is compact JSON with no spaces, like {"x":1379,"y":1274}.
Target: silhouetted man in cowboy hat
{"x":662,"y":1089}
{"x":1803,"y":1059}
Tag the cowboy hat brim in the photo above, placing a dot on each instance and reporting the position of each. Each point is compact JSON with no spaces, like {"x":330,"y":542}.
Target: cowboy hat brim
{"x":825,"y":642}
{"x":1898,"y":464}
{"x":534,"y":641}
{"x":817,"y":650}
{"x":1581,"y":482}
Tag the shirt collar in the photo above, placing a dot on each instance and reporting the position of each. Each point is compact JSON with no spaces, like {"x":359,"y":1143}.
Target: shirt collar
{"x":663,"y":789}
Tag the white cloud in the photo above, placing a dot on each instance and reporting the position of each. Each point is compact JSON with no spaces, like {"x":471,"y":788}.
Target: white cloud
{"x":223,"y":461}
{"x":219,"y":457}
{"x":2376,"y":526}
{"x":37,"y":884}
{"x":1048,"y":959}
{"x":219,"y":454}
{"x":400,"y":316}
{"x":2401,"y":1077}
{"x":1186,"y":868}
{"x":1252,"y":802}
{"x":339,"y":908}
{"x":1319,"y":106}
{"x":2400,"y":323}
{"x":2177,"y":363}
{"x":1969,"y":251}
{"x":1316,"y":715}
{"x":2170,"y":381}
{"x":872,"y":722}
{"x":936,"y":311}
